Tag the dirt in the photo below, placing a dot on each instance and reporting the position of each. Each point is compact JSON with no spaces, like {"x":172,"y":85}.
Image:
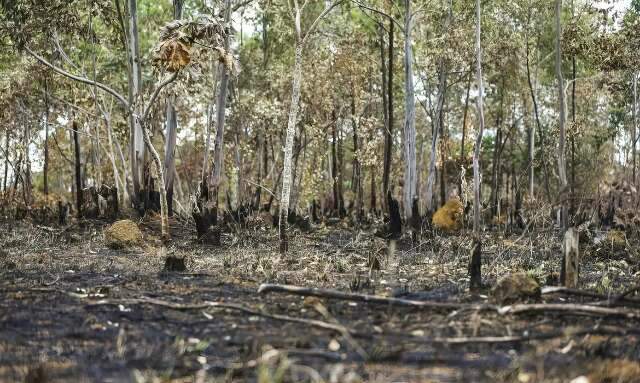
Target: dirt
{"x":72,"y":309}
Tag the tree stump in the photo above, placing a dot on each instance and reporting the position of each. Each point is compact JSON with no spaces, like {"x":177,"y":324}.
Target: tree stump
{"x":571,"y":258}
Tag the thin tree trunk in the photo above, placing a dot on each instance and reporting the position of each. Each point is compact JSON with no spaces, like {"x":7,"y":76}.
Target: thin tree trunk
{"x":385,"y":114}
{"x":171,"y":123}
{"x":45,"y":170}
{"x":497,"y":149}
{"x":357,"y":181}
{"x":221,"y":102}
{"x":531,"y":138}
{"x":6,"y":161}
{"x":334,"y":163}
{"x":171,"y":131}
{"x":475,"y":266}
{"x":340,"y":174}
{"x":27,"y":181}
{"x":78,"y":184}
{"x":464,"y":131}
{"x":635,"y":125}
{"x":573,"y":120}
{"x":537,"y":117}
{"x":112,"y":157}
{"x":388,"y":139}
{"x":409,"y":119}
{"x":164,"y":216}
{"x":562,"y":167}
{"x":136,"y":140}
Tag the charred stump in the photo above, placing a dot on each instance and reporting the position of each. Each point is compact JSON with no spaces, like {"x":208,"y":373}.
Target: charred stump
{"x":475,"y":265}
{"x":395,"y":220}
{"x":205,"y":215}
{"x":64,"y":211}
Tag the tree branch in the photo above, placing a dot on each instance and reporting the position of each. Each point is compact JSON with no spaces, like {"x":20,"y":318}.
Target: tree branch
{"x":317,"y":20}
{"x":81,"y":79}
{"x":156,"y":92}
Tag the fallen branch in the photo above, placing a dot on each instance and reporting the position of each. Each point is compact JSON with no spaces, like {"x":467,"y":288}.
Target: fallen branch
{"x":596,"y":330}
{"x":375,"y":299}
{"x":569,"y":308}
{"x":608,"y":299}
{"x":230,"y":306}
{"x":623,"y":296}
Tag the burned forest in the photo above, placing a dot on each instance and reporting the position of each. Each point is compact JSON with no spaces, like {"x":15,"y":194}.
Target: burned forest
{"x":328,"y":191}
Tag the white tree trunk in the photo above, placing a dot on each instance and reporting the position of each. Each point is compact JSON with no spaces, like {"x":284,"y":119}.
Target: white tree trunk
{"x":288,"y":148}
{"x":221,"y":101}
{"x":476,"y":153}
{"x":410,"y":180}
{"x":135,"y":85}
{"x":164,"y":217}
{"x":562,"y":167}
{"x":634,"y":137}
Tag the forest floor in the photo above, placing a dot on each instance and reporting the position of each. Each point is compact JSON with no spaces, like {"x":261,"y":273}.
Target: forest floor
{"x":72,"y":309}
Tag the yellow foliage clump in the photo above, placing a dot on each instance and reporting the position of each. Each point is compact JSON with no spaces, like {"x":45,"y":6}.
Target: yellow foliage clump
{"x":499,"y":220}
{"x":449,"y":216}
{"x":616,"y":239}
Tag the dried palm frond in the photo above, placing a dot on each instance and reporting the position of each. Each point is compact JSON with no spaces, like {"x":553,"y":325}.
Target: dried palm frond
{"x":174,"y":50}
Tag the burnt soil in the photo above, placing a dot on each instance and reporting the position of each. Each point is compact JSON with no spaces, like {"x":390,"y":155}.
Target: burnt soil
{"x":72,"y":309}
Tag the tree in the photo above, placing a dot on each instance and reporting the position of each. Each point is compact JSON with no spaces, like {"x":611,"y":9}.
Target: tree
{"x":300,"y":39}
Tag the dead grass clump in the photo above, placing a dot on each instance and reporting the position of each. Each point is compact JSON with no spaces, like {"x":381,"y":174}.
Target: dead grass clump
{"x":515,"y":287}
{"x":449,"y":216}
{"x":123,"y":234}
